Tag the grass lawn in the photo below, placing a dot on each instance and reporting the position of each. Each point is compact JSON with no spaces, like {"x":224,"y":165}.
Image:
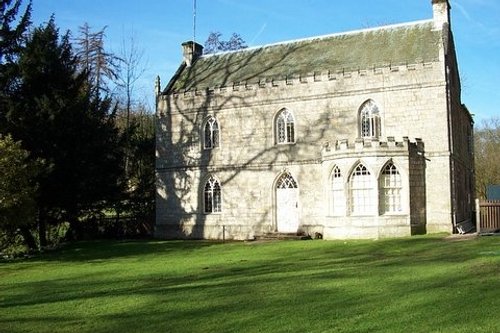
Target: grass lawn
{"x":419,"y":284}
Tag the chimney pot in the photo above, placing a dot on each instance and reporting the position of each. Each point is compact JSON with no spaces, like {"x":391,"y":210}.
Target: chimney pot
{"x":191,"y":51}
{"x":441,"y":12}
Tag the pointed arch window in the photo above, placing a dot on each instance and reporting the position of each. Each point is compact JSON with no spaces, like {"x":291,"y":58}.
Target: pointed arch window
{"x":390,"y":189}
{"x":285,"y":127}
{"x":338,"y":198}
{"x":211,"y":134}
{"x":361,"y":191}
{"x":286,"y":181}
{"x":212,"y":196}
{"x":369,"y":117}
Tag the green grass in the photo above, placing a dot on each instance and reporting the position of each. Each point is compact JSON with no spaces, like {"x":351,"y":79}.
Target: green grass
{"x":420,"y":284}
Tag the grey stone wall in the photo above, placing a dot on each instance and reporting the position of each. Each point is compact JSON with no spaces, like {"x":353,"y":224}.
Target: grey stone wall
{"x":412,"y":100}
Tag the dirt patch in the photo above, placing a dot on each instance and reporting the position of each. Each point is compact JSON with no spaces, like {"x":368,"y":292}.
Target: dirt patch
{"x":461,"y":237}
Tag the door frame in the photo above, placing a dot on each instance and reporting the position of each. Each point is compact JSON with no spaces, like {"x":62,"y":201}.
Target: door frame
{"x":275,"y":199}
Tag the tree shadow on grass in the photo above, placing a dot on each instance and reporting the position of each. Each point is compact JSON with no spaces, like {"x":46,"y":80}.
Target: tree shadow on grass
{"x":102,"y":250}
{"x":417,"y":284}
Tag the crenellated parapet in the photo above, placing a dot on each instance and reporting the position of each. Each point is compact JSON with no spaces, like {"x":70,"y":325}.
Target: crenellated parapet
{"x":341,"y":78}
{"x":372,"y":147}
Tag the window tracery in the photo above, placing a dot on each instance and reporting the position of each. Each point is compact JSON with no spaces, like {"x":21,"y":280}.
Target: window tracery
{"x":286,"y":181}
{"x":338,"y":199}
{"x":390,"y":189}
{"x":285,"y":127}
{"x":212,"y":196}
{"x":361,"y":191}
{"x":369,"y":120}
{"x":211,"y":133}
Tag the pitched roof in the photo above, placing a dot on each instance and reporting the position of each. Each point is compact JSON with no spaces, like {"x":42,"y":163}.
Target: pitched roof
{"x":398,"y":44}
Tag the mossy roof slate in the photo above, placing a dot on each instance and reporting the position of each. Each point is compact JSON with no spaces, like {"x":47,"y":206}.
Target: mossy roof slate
{"x":401,"y":44}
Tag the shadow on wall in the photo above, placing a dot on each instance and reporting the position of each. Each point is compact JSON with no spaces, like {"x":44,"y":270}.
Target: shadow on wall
{"x":185,"y":164}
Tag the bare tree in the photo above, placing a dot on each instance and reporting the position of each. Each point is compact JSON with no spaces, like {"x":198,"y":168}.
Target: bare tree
{"x":214,"y":43}
{"x":487,"y":155}
{"x":95,"y":60}
{"x":129,"y":72}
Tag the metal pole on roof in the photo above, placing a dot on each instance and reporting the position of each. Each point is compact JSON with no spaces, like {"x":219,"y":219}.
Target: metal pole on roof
{"x":194,"y":23}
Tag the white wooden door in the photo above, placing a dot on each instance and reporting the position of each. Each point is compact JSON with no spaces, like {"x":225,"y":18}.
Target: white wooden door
{"x":287,"y":204}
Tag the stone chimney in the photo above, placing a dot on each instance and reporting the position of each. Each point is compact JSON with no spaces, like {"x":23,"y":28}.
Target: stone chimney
{"x":441,"y":12}
{"x":191,"y":51}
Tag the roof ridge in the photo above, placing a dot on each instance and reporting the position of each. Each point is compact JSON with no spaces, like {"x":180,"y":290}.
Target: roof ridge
{"x":337,"y":34}
{"x":412,"y":42}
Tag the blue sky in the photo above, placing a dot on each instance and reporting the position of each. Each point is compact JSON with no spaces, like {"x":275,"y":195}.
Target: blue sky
{"x":159,"y":27}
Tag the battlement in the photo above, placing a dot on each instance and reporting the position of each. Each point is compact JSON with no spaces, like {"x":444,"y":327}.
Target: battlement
{"x":307,"y":78}
{"x":371,"y":146}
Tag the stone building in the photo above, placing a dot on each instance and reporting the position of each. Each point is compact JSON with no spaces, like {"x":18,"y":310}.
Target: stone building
{"x":351,"y":135}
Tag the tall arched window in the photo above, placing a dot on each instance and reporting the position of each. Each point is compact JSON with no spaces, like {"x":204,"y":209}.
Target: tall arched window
{"x":369,"y":117}
{"x":361,"y":191}
{"x":212,"y":196}
{"x":285,"y":127}
{"x":211,"y":133}
{"x":390,"y":189}
{"x":338,"y":198}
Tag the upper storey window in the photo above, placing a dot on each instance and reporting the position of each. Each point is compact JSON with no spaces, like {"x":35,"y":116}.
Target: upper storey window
{"x":369,"y":116}
{"x":211,"y":134}
{"x":285,"y":127}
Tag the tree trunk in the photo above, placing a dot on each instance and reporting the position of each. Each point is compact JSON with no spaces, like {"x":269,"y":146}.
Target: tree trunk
{"x":75,"y":231}
{"x":42,"y":229}
{"x":29,"y":240}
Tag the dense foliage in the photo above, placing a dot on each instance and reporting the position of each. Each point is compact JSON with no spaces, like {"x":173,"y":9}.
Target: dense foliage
{"x":11,"y":44}
{"x":17,"y":190}
{"x":55,"y":109}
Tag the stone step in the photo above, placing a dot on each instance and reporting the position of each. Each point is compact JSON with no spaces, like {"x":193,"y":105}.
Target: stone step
{"x":281,"y":236}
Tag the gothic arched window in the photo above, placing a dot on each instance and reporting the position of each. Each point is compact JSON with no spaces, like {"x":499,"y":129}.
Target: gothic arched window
{"x":211,"y":133}
{"x":338,"y":198}
{"x":369,"y":118}
{"x":212,"y":196}
{"x":286,"y":181}
{"x":361,"y":191}
{"x":285,"y":127}
{"x":390,"y":189}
